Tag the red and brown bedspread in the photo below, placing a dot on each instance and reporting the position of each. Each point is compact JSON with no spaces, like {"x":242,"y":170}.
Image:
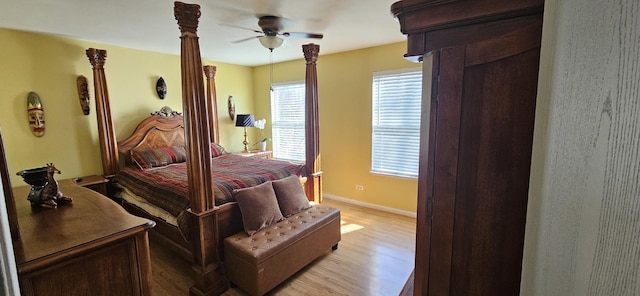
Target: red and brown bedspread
{"x":167,"y":187}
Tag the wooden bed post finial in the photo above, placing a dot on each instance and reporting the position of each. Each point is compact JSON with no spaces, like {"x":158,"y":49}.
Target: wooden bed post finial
{"x":312,"y":124}
{"x":108,"y":142}
{"x":97,"y":57}
{"x":311,"y":52}
{"x":187,"y":16}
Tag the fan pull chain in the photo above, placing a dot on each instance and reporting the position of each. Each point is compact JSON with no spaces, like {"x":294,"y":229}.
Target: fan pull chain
{"x":271,"y":71}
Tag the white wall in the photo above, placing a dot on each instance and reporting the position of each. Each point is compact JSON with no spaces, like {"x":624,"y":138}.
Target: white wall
{"x":583,"y":224}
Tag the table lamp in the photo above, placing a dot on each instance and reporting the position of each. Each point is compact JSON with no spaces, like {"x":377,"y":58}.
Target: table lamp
{"x":245,"y":120}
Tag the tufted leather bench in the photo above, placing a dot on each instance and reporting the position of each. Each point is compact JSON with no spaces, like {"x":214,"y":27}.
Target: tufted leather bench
{"x":260,"y":262}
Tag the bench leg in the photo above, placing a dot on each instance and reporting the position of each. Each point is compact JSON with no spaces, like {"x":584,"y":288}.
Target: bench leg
{"x":335,"y":247}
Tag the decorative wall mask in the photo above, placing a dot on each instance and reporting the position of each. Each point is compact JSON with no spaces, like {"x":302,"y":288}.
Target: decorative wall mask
{"x":232,"y":108}
{"x":83,"y":94}
{"x":161,"y":88}
{"x":36,"y":114}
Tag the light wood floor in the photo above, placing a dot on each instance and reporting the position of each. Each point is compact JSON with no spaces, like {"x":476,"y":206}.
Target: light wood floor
{"x":375,"y":257}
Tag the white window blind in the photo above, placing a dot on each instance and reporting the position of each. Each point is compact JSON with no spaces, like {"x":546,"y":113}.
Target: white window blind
{"x":287,"y":114}
{"x":396,"y":122}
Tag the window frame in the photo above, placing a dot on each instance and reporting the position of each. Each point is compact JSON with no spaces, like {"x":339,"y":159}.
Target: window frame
{"x":298,"y":126}
{"x":395,"y":164}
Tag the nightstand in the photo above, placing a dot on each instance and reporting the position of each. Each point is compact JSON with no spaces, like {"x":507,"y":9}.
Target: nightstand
{"x":256,"y":153}
{"x":93,"y":182}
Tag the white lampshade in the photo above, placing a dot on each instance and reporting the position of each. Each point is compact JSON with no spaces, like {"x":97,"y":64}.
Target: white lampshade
{"x":271,"y":42}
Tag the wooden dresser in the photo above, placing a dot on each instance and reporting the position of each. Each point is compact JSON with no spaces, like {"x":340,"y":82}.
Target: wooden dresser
{"x":90,"y":247}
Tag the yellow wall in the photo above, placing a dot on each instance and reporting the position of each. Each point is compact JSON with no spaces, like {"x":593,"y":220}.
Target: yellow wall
{"x":344,"y":90}
{"x":50,"y":65}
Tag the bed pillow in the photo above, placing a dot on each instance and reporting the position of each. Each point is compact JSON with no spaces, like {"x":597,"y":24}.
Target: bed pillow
{"x":158,"y":157}
{"x":290,"y":195}
{"x":217,"y":150}
{"x":258,"y":206}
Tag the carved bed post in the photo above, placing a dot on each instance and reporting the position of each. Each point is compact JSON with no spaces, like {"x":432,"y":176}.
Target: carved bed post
{"x":195,"y":110}
{"x":208,"y":278}
{"x":108,"y":143}
{"x":312,"y":134}
{"x":210,"y":73}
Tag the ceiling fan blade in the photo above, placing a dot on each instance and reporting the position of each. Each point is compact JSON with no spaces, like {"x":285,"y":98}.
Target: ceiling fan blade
{"x":302,"y":35}
{"x":245,"y":39}
{"x":239,"y":27}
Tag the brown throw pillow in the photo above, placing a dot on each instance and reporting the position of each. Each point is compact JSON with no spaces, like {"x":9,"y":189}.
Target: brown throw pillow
{"x":258,"y":206}
{"x":290,"y":195}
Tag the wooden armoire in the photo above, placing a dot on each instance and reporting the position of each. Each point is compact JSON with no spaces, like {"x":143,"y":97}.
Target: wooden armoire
{"x":475,"y":154}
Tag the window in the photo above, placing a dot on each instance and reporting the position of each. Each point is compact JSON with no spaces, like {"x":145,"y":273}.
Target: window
{"x":287,"y":115}
{"x":396,"y":122}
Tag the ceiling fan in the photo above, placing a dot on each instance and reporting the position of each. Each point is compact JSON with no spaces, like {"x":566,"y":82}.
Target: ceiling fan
{"x":271,"y":31}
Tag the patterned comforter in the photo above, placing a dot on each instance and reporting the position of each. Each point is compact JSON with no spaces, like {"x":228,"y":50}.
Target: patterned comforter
{"x":167,"y":187}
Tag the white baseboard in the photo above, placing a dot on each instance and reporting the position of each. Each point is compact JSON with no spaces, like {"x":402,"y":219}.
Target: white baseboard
{"x":369,"y":205}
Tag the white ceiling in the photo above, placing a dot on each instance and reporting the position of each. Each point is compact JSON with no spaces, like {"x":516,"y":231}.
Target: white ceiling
{"x":151,"y":25}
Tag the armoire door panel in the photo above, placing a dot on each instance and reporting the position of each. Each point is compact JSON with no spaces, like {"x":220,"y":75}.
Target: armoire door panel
{"x":483,"y":134}
{"x":426,"y":168}
{"x":445,"y":162}
{"x":492,"y":185}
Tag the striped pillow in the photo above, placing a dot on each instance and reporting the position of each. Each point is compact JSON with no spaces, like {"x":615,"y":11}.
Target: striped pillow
{"x":217,"y":150}
{"x":158,"y":157}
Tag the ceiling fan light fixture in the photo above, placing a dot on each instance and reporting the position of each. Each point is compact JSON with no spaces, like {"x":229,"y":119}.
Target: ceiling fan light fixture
{"x":271,"y":42}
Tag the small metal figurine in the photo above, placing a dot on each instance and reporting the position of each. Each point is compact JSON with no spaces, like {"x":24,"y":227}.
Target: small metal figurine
{"x":44,"y":188}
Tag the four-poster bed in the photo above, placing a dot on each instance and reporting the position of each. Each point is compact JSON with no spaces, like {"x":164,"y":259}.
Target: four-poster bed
{"x":208,"y":223}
